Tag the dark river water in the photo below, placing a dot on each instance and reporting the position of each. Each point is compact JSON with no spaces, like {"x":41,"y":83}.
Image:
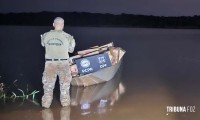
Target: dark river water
{"x":161,"y":68}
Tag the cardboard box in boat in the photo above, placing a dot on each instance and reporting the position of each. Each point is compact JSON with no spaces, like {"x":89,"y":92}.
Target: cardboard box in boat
{"x":93,"y":63}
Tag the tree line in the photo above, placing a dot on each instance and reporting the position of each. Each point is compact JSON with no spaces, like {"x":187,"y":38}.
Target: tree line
{"x":100,"y":20}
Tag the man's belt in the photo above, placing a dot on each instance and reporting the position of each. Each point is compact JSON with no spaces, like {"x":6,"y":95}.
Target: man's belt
{"x":55,"y":59}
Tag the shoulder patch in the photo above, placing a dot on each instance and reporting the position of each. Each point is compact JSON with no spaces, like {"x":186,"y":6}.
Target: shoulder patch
{"x":66,"y":34}
{"x":45,"y":34}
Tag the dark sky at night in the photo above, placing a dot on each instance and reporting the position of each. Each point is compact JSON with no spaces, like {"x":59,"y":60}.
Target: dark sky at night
{"x":145,"y":7}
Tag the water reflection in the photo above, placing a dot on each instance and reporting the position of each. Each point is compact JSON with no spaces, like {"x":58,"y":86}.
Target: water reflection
{"x":162,"y":68}
{"x":47,"y":114}
{"x":98,"y":98}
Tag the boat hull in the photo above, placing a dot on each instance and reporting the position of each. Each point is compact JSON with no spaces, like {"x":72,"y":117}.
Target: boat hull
{"x":100,"y":76}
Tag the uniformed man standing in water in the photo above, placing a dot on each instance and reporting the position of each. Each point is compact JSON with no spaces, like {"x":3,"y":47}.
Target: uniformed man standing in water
{"x":57,"y":45}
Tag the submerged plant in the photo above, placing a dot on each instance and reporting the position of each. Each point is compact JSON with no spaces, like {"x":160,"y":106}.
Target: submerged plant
{"x":24,"y":95}
{"x":1,"y":90}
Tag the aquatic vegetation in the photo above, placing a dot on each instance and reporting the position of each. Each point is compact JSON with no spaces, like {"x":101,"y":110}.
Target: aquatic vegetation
{"x":4,"y":92}
{"x":1,"y":90}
